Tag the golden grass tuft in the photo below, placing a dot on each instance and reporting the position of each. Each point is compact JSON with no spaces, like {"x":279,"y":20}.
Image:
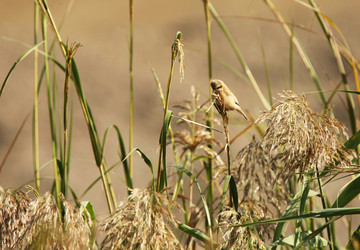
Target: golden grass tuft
{"x":238,"y":237}
{"x":141,"y":222}
{"x":302,"y":139}
{"x":256,"y":174}
{"x":46,"y":231}
{"x":13,"y":216}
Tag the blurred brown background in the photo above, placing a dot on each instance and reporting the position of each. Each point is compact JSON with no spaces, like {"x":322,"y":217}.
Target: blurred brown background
{"x":102,"y":27}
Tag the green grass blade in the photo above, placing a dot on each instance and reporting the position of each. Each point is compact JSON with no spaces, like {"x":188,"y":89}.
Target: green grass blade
{"x":313,"y":240}
{"x":127,"y":172}
{"x":98,"y":179}
{"x":88,"y":116}
{"x":225,"y":189}
{"x":195,"y":233}
{"x":122,"y":155}
{"x":27,"y":52}
{"x":354,"y":241}
{"x":303,"y":236}
{"x":206,"y":208}
{"x":291,"y":208}
{"x":163,"y":143}
{"x":87,"y":210}
{"x":94,"y":138}
{"x":324,"y":213}
{"x":234,"y":193}
{"x":147,"y":162}
{"x":347,"y":194}
{"x":354,"y":141}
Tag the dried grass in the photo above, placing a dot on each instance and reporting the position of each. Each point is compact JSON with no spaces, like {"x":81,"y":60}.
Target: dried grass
{"x":36,"y":224}
{"x":141,"y":222}
{"x":46,"y":231}
{"x":256,"y":174}
{"x":302,"y":139}
{"x":13,"y":216}
{"x":239,"y":237}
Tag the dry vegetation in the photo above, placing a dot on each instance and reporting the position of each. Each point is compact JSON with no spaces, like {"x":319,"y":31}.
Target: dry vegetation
{"x":270,"y":195}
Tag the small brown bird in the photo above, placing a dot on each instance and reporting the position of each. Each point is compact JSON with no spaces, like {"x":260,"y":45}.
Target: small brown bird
{"x":223,"y":99}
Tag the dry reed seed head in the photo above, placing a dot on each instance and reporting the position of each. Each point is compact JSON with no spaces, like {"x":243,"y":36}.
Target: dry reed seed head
{"x":255,"y":173}
{"x":190,"y":141}
{"x":141,"y":222}
{"x":13,"y":216}
{"x":257,"y":211}
{"x":238,"y":237}
{"x":177,"y":51}
{"x":46,"y":231}
{"x":302,"y":139}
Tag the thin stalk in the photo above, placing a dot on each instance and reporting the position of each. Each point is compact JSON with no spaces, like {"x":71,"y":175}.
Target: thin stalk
{"x":68,"y":67}
{"x":67,"y":160}
{"x":52,"y":122}
{"x":268,"y":84}
{"x":110,"y":186}
{"x":335,"y":49}
{"x":176,"y":155}
{"x":131,"y":132}
{"x":210,"y":115}
{"x":106,"y":187}
{"x":47,"y":12}
{"x":174,"y":52}
{"x":87,"y":114}
{"x":162,"y":98}
{"x":300,"y":49}
{"x":239,"y":57}
{"x":291,"y":59}
{"x":323,"y":203}
{"x":191,"y":188}
{"x":226,"y":128}
{"x":35,"y":125}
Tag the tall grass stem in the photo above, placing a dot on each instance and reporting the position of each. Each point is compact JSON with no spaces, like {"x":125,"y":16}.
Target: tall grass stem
{"x":35,"y":121}
{"x":131,"y":72}
{"x":209,"y":123}
{"x":52,"y":118}
{"x":303,"y":55}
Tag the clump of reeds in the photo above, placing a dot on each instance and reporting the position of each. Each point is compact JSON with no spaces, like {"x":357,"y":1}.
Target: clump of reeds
{"x":46,"y":229}
{"x":236,"y":237}
{"x":38,"y":225}
{"x":256,"y":174}
{"x":14,"y":206}
{"x":141,"y":222}
{"x":302,"y":139}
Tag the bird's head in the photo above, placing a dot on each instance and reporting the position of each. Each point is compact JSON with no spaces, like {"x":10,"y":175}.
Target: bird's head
{"x":216,"y":84}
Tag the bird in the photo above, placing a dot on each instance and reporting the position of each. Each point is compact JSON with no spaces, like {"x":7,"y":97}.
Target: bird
{"x":223,"y":99}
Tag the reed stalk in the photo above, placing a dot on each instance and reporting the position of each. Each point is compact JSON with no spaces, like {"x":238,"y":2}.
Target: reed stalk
{"x":210,"y":115}
{"x":52,"y":119}
{"x":175,"y":50}
{"x":35,"y":124}
{"x":131,"y":71}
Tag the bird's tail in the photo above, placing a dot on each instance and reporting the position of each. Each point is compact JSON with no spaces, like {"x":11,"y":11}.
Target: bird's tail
{"x":242,"y":112}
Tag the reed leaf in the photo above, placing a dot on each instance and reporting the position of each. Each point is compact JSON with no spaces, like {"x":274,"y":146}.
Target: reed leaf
{"x":26,"y":53}
{"x":207,"y":212}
